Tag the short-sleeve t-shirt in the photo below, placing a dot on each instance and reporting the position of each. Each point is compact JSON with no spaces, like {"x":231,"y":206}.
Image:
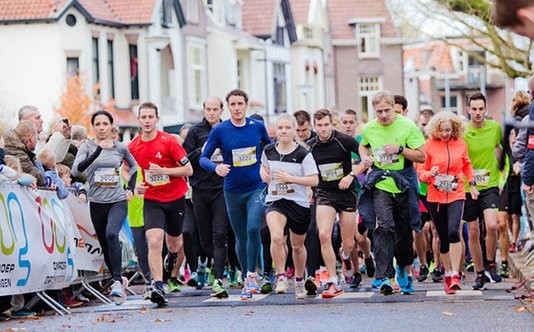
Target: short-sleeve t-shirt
{"x":403,"y":132}
{"x":298,"y":162}
{"x":481,"y":143}
{"x":165,"y":151}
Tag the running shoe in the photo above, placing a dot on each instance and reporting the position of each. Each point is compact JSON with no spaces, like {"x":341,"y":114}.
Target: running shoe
{"x":118,"y":292}
{"x":266,"y":286}
{"x":386,"y":288}
{"x":423,"y":273}
{"x":470,"y":266}
{"x":232,"y":279}
{"x":436,"y":275}
{"x":147,"y":293}
{"x":408,"y":289}
{"x":245,"y":295}
{"x":23,"y":313}
{"x":492,"y":274}
{"x":448,"y":283}
{"x":512,"y":248}
{"x":300,"y":290}
{"x":331,"y":290}
{"x":480,"y":282}
{"x":310,"y":286}
{"x":174,"y":285}
{"x":170,"y":261}
{"x":218,"y":290}
{"x":193,"y":280}
{"x":377,"y":283}
{"x":281,"y":285}
{"x":370,"y":267}
{"x":356,"y":280}
{"x":211,"y":276}
{"x":505,"y":270}
{"x":158,"y":296}
{"x":201,"y":273}
{"x":400,"y":276}
{"x":251,"y":284}
{"x":456,"y":283}
{"x":346,"y":266}
{"x":70,"y":302}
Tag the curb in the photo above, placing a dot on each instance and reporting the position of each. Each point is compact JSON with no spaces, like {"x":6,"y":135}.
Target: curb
{"x":518,"y":267}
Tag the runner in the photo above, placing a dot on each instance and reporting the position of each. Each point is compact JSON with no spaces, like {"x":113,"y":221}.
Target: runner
{"x":335,"y":194}
{"x":101,"y":159}
{"x":446,"y":165}
{"x":239,"y":140}
{"x":288,"y":168}
{"x":165,"y":165}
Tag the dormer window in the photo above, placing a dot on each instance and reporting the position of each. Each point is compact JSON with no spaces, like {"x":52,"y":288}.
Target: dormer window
{"x":368,"y":39}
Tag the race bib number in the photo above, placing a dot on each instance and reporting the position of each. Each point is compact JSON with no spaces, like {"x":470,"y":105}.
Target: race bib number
{"x":244,"y":156}
{"x":217,"y":157}
{"x":156,"y":180}
{"x":446,"y":183}
{"x":331,"y":172}
{"x":384,"y":159}
{"x":482,"y":177}
{"x":106,"y":177}
{"x":283,"y":189}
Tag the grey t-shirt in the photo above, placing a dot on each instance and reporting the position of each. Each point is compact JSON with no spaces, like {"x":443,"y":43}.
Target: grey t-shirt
{"x":103,"y":174}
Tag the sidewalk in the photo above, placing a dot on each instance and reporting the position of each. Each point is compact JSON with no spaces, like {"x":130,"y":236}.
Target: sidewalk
{"x":520,"y":268}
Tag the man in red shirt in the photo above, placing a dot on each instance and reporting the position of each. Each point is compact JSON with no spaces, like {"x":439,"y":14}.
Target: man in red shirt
{"x":165,"y":166}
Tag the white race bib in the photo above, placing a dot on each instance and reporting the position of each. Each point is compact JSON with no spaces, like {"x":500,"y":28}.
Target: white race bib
{"x":384,"y":159}
{"x":244,"y":156}
{"x":283,"y":189}
{"x":482,"y":177}
{"x":446,"y":183}
{"x":331,"y":172}
{"x":106,"y":177}
{"x":156,"y":180}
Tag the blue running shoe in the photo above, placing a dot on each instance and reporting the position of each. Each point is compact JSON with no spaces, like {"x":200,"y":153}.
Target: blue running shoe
{"x":377,"y":282}
{"x":201,"y":273}
{"x":386,"y":288}
{"x":408,"y":290}
{"x":401,"y":277}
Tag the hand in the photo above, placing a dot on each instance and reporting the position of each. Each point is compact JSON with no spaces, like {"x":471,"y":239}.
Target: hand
{"x":2,"y":142}
{"x":140,"y":188}
{"x":474,"y":192}
{"x":516,"y":167}
{"x":129,"y":195}
{"x":82,"y":197}
{"x":106,"y":144}
{"x":53,"y":186}
{"x":528,"y":189}
{"x":283,"y":177}
{"x":265,"y":174}
{"x":391,"y":149}
{"x":156,"y":169}
{"x":222,"y":170}
{"x":434,"y":171}
{"x":345,"y":182}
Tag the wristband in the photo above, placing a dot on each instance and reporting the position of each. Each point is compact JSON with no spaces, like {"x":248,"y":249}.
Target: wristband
{"x":401,"y":148}
{"x":473,"y":183}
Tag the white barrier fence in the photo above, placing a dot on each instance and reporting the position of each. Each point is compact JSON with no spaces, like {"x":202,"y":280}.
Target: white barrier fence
{"x":44,"y":241}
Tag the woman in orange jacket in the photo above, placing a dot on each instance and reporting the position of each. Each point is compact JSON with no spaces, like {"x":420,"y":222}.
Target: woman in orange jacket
{"x":446,"y":166}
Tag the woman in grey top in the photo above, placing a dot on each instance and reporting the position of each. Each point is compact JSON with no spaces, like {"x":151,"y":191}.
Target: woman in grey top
{"x":101,"y":159}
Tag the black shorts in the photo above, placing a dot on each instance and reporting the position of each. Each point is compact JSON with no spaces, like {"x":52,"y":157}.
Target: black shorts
{"x":168,"y":216}
{"x":487,"y":199}
{"x":340,"y":200}
{"x":298,"y":217}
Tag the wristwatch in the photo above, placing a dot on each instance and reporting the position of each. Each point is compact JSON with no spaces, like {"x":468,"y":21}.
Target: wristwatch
{"x":352,"y":174}
{"x":401,"y":148}
{"x":473,"y":183}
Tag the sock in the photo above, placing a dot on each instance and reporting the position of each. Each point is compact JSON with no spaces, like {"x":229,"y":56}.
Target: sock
{"x":480,"y":272}
{"x":297,"y":279}
{"x":455,"y":273}
{"x":281,"y":275}
{"x":504,"y":262}
{"x":334,"y":280}
{"x":250,"y":274}
{"x":344,"y":256}
{"x":448,"y":274}
{"x":158,"y":284}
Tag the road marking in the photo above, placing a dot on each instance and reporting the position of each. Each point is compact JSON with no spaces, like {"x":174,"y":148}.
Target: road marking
{"x":458,"y":293}
{"x":351,"y":295}
{"x":237,"y":298}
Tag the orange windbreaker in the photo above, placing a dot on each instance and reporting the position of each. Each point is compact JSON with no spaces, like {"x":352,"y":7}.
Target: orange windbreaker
{"x":453,"y":162}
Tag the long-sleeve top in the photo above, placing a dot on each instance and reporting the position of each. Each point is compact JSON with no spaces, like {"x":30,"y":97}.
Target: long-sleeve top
{"x":61,"y":190}
{"x":15,"y":147}
{"x":453,"y":164}
{"x":102,"y":169}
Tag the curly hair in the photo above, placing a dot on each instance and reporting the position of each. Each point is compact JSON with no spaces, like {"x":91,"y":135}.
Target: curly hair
{"x":434,"y":125}
{"x":519,"y":100}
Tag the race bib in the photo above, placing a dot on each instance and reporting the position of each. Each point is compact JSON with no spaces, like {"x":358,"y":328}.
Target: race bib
{"x":244,"y":156}
{"x":156,"y":180}
{"x":331,"y":172}
{"x":482,"y":177}
{"x":384,"y":159}
{"x":217,"y":157}
{"x":106,"y":177}
{"x":283,"y":189}
{"x":446,"y":183}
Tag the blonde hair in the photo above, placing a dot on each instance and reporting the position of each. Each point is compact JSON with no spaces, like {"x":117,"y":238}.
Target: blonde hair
{"x":62,"y":170}
{"x":3,"y":128}
{"x":519,"y":100}
{"x":47,"y":157}
{"x":13,"y":162}
{"x":286,"y":116}
{"x":434,"y":125}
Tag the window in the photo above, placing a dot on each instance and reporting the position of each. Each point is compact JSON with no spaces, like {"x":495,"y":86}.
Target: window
{"x":279,"y":81}
{"x":240,"y":84}
{"x":232,"y":13}
{"x":197,"y":74}
{"x":96,"y":62}
{"x":73,"y":67}
{"x":368,"y":38}
{"x":453,"y":103}
{"x":134,"y":72}
{"x":279,"y":38}
{"x":475,"y":67}
{"x":111,"y":70}
{"x":368,"y":87}
{"x":192,"y":11}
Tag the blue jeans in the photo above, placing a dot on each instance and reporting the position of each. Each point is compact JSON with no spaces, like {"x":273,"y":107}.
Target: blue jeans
{"x":245,"y":211}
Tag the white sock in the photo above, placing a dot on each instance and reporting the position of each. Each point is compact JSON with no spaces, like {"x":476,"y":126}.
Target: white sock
{"x":334,"y":280}
{"x":448,"y":274}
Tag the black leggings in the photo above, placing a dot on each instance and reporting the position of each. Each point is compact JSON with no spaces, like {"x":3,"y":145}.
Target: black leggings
{"x":447,"y":218}
{"x":107,"y":220}
{"x":141,"y":250}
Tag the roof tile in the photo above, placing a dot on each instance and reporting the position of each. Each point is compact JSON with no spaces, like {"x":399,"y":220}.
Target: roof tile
{"x":300,"y":10}
{"x":259,"y":16}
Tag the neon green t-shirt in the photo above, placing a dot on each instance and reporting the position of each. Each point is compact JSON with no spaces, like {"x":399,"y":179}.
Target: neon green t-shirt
{"x":402,"y":132}
{"x":135,"y":206}
{"x":481,"y":143}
